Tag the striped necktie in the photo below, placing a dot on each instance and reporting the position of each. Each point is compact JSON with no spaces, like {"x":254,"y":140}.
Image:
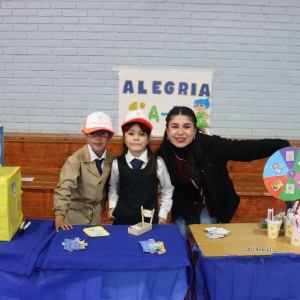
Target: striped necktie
{"x":136,"y":164}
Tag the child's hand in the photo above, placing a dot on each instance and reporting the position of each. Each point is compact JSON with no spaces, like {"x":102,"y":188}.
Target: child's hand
{"x":162,"y":221}
{"x":110,"y":214}
{"x":60,"y":223}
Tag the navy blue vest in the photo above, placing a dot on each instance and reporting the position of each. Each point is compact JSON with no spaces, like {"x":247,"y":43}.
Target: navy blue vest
{"x":136,"y":189}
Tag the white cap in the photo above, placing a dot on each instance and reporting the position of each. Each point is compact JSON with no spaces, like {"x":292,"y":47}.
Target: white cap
{"x":137,"y":116}
{"x":97,"y":121}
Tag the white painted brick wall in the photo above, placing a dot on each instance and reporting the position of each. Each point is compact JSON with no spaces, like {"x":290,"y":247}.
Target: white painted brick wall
{"x":59,"y":59}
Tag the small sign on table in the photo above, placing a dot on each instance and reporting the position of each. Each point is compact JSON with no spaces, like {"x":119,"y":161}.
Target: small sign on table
{"x":143,"y":226}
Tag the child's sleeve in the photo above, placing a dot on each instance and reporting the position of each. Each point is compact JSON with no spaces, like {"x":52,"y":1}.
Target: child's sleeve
{"x":67,"y":184}
{"x":166,"y":191}
{"x":113,"y":190}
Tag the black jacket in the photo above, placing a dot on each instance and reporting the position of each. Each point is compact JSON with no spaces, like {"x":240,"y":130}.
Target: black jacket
{"x":213,"y":155}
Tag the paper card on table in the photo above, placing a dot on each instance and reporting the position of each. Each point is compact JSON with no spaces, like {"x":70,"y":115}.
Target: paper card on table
{"x":96,"y":231}
{"x":145,"y":246}
{"x":154,"y":247}
{"x":217,"y":230}
{"x":27,"y":178}
{"x":74,"y":244}
{"x":212,"y":236}
{"x":214,"y":232}
{"x":162,"y":246}
{"x":66,"y":244}
{"x":135,"y":227}
{"x":151,"y":246}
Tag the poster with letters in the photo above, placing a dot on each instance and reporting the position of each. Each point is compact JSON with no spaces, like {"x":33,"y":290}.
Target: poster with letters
{"x":157,"y":92}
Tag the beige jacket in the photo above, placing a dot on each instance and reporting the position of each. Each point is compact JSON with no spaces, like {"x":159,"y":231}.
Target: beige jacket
{"x":81,"y":193}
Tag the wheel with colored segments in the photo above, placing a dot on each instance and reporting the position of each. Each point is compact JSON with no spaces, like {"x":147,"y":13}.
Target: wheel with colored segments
{"x":282,"y":174}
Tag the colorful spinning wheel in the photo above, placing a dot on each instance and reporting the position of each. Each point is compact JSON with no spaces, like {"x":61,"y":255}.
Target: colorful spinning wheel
{"x":282,"y":174}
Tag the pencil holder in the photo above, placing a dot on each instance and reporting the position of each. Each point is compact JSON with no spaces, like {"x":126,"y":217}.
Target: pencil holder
{"x":295,"y":239}
{"x":287,"y":227}
{"x":273,"y":228}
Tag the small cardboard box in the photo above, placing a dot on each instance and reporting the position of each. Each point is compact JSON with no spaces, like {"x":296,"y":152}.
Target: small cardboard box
{"x":140,"y":228}
{"x":10,"y":202}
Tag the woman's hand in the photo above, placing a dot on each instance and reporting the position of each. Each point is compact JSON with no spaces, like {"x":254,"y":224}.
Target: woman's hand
{"x":110,"y":214}
{"x":162,"y":221}
{"x":60,"y":223}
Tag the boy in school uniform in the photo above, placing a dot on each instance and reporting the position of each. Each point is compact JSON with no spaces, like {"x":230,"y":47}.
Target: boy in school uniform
{"x":81,"y":193}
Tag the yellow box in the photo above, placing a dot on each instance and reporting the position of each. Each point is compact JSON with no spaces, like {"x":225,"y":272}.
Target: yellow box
{"x":10,"y":202}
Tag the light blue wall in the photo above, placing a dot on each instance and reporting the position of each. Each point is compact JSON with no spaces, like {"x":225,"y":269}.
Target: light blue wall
{"x":59,"y":59}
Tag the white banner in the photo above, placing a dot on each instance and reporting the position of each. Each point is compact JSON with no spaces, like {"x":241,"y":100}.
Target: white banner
{"x":157,"y":92}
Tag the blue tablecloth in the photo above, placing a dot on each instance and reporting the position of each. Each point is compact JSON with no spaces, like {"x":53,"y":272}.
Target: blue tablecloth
{"x":170,"y":284}
{"x":51,"y":285}
{"x":20,"y":254}
{"x":273,"y":277}
{"x":112,"y":267}
{"x":118,"y":251}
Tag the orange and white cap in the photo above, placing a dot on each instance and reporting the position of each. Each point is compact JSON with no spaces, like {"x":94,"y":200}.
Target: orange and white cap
{"x":97,"y":121}
{"x":137,"y":116}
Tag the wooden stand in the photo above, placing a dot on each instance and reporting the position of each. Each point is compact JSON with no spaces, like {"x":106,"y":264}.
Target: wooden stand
{"x":142,"y":227}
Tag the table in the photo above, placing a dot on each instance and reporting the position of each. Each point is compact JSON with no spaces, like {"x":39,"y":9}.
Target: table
{"x":246,"y":264}
{"x":112,"y":267}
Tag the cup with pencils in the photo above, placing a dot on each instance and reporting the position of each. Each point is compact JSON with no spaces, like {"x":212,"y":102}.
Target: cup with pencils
{"x":291,"y":210}
{"x":287,"y":226}
{"x":274,"y":223}
{"x":294,"y":220}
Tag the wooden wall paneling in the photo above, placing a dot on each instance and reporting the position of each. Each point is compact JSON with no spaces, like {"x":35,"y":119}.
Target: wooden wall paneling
{"x":43,"y":155}
{"x":37,"y":204}
{"x":253,"y":208}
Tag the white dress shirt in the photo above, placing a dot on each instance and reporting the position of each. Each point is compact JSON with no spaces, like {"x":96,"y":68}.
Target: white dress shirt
{"x":166,"y":191}
{"x":94,"y":156}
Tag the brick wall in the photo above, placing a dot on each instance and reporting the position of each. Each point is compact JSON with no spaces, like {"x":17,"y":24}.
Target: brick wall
{"x":59,"y":60}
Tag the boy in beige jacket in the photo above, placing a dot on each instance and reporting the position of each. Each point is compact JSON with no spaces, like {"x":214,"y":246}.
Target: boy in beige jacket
{"x":80,"y":195}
